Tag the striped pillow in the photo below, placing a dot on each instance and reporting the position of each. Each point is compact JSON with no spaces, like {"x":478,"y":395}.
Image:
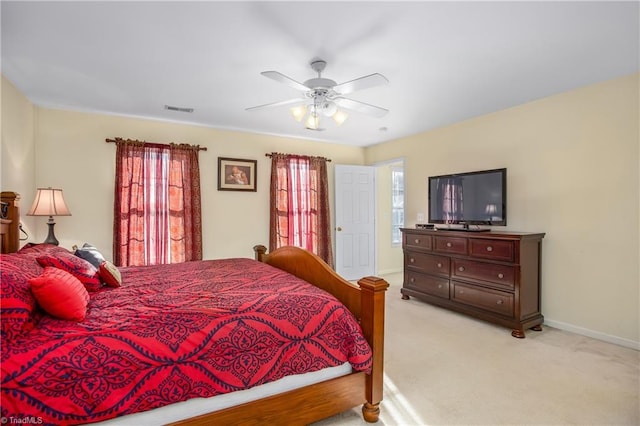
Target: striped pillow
{"x":60,"y":294}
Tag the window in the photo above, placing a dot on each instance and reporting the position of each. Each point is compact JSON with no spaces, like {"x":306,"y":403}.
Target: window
{"x":397,"y":205}
{"x":157,"y":216}
{"x":300,"y":204}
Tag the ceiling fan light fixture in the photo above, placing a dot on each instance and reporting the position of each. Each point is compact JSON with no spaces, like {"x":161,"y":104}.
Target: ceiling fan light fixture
{"x":299,"y":112}
{"x":322,"y":97}
{"x":313,"y":121}
{"x":340,"y":117}
{"x":329,"y":108}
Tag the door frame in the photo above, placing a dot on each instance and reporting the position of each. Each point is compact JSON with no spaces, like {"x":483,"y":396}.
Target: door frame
{"x":377,"y":165}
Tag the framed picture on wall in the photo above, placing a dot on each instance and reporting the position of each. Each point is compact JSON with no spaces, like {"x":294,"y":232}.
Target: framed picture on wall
{"x":236,"y":174}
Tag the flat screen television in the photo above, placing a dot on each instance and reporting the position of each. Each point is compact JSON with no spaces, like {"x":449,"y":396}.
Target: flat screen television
{"x":472,"y":198}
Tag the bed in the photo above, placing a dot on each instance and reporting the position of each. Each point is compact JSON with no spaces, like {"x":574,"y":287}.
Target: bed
{"x":197,"y":341}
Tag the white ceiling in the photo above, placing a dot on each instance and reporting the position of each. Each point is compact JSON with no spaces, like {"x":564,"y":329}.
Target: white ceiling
{"x":445,"y":61}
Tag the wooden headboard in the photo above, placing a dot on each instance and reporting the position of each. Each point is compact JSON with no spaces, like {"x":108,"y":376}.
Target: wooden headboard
{"x":10,"y":225}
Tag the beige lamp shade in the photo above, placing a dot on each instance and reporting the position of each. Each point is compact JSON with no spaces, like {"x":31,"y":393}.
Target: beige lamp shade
{"x":49,"y":202}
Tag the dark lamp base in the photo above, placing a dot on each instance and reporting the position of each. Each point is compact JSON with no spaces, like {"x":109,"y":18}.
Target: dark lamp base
{"x":51,"y":238}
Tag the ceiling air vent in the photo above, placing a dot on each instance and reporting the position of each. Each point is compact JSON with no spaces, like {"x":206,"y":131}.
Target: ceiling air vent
{"x":180,"y":109}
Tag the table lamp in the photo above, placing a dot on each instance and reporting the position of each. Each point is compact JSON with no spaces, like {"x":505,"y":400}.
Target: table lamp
{"x":49,"y":202}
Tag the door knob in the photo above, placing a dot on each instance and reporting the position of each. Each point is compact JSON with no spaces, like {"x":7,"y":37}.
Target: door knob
{"x":339,"y":228}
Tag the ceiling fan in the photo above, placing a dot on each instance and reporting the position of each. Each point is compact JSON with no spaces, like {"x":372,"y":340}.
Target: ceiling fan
{"x":324,"y":97}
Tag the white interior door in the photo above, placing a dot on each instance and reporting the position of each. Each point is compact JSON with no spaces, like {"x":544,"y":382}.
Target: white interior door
{"x":355,"y":221}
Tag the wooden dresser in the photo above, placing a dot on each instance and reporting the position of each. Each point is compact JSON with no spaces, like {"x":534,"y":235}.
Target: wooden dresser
{"x":494,"y":276}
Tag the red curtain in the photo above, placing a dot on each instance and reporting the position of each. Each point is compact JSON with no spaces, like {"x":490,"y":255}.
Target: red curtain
{"x":185,"y":217}
{"x":157,"y":215}
{"x":299,"y":213}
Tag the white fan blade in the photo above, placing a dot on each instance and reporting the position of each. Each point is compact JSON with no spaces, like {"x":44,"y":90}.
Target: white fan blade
{"x":360,"y":83}
{"x":281,"y":78}
{"x":361,"y":107}
{"x":276,"y":104}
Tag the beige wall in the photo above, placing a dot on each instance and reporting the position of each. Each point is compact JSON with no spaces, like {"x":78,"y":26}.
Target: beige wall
{"x":17,"y":147}
{"x":572,"y":162}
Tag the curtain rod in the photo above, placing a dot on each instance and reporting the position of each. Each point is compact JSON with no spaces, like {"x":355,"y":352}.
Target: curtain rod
{"x":117,"y":140}
{"x":321,"y":158}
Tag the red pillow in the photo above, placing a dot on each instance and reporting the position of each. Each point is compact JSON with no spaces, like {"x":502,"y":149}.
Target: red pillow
{"x":79,"y":268}
{"x":60,"y":294}
{"x":110,"y":274}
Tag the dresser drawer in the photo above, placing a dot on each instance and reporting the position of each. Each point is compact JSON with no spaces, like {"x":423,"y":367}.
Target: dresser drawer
{"x":438,"y":265}
{"x":502,"y":275}
{"x":429,"y":284}
{"x":492,"y":249}
{"x":457,"y":245}
{"x":490,"y":300}
{"x":418,"y":241}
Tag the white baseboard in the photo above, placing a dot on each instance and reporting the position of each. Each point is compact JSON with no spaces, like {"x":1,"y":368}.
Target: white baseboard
{"x":620,"y":341}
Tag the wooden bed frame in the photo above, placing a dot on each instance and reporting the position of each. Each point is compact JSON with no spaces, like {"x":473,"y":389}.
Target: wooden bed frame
{"x":314,"y":402}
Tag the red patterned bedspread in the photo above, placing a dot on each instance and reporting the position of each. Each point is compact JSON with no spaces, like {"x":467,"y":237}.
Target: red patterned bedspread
{"x":176,"y":332}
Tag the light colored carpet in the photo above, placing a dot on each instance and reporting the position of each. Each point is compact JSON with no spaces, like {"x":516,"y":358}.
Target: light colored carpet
{"x":444,"y":368}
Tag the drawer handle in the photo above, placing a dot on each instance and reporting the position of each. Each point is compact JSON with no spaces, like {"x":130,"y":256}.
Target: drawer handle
{"x":439,"y":285}
{"x":417,"y":241}
{"x":448,"y":244}
{"x":412,"y":260}
{"x":461,"y":269}
{"x":412,"y":280}
{"x":489,"y":248}
{"x":499,"y":302}
{"x":500,"y":275}
{"x":461,"y":292}
{"x":439,"y":265}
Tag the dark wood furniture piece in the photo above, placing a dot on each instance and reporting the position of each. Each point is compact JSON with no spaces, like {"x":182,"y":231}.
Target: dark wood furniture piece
{"x":4,"y":234}
{"x":10,"y":227}
{"x":494,"y":276}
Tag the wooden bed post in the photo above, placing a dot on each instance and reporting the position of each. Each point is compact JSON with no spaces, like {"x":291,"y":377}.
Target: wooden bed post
{"x":366,"y":301}
{"x":259,"y":252}
{"x":372,"y":314}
